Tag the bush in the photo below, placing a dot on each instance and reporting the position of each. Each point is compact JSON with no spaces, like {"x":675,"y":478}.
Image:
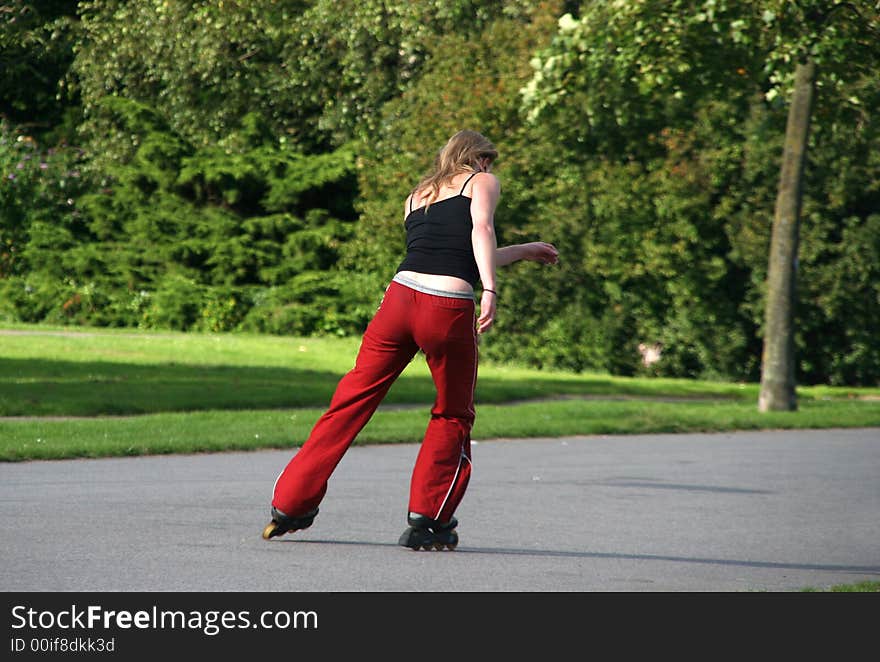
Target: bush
{"x":332,"y":303}
{"x":176,"y":304}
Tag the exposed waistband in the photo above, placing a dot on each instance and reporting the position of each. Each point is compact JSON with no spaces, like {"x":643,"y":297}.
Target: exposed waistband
{"x":410,"y":283}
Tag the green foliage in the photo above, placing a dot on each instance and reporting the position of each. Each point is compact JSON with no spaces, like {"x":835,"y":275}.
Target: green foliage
{"x":316,"y":72}
{"x":37,"y":186}
{"x":202,"y":65}
{"x":184,"y":238}
{"x":315,"y":303}
{"x":39,"y":193}
{"x":36,"y":50}
{"x":629,"y":70}
{"x":353,"y":56}
{"x":467,"y":82}
{"x":229,"y":149}
{"x":675,"y":133}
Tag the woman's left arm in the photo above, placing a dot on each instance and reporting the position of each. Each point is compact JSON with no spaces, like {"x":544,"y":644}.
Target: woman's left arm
{"x":485,"y":192}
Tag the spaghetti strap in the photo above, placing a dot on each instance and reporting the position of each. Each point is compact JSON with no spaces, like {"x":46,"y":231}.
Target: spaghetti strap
{"x":461,"y":192}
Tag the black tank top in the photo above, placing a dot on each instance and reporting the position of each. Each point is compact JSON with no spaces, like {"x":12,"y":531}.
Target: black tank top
{"x":438,"y":241}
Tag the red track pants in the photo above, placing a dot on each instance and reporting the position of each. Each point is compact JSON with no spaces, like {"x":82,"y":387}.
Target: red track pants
{"x":407,"y":320}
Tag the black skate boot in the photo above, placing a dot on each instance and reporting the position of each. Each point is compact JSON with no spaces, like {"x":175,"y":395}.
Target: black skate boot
{"x":427,"y":533}
{"x":282,"y":524}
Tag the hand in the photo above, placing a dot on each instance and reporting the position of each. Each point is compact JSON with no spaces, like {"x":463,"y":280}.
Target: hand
{"x":541,"y":251}
{"x":487,"y":311}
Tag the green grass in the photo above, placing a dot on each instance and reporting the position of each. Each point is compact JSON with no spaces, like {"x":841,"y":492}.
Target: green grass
{"x":860,"y":587}
{"x":90,"y":393}
{"x":89,"y":373}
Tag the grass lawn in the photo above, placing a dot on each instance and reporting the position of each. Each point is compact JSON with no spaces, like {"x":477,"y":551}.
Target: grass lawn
{"x":860,"y":587}
{"x":98,"y":392}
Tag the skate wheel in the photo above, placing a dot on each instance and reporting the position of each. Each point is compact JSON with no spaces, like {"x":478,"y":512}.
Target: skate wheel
{"x":451,"y":546}
{"x":270,"y":530}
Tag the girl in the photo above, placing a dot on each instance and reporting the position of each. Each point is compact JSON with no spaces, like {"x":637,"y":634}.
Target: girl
{"x":428,"y":306}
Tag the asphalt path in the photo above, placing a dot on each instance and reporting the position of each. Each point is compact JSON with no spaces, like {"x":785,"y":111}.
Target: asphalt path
{"x":731,"y":512}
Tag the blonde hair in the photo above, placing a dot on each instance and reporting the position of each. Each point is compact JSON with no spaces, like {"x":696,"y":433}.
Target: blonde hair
{"x":461,"y":153}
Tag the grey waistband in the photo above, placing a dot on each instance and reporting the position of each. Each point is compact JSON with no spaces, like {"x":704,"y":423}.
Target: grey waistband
{"x":409,"y":282}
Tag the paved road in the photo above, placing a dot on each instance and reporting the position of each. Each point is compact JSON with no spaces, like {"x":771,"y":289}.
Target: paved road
{"x":751,"y":511}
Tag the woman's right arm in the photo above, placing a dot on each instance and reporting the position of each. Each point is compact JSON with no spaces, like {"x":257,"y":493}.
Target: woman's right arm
{"x":535,"y":251}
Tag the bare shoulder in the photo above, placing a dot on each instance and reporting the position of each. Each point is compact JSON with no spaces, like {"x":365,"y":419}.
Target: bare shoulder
{"x":485,"y":183}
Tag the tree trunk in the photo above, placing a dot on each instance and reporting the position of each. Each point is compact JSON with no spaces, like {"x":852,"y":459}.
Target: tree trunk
{"x":778,"y":362}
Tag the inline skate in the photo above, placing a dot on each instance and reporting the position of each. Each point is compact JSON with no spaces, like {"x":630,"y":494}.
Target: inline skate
{"x":282,"y":524}
{"x":426,"y":533}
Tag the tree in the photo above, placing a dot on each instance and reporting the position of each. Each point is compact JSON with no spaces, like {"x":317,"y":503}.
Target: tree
{"x":316,"y":71}
{"x":778,"y":379}
{"x":202,"y":65}
{"x":186,"y":237}
{"x":778,"y":363}
{"x":633,"y":83}
{"x":36,"y":49}
{"x":468,"y":81}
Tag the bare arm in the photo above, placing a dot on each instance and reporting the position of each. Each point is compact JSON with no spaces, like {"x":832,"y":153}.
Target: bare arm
{"x":485,"y":192}
{"x":535,"y":251}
